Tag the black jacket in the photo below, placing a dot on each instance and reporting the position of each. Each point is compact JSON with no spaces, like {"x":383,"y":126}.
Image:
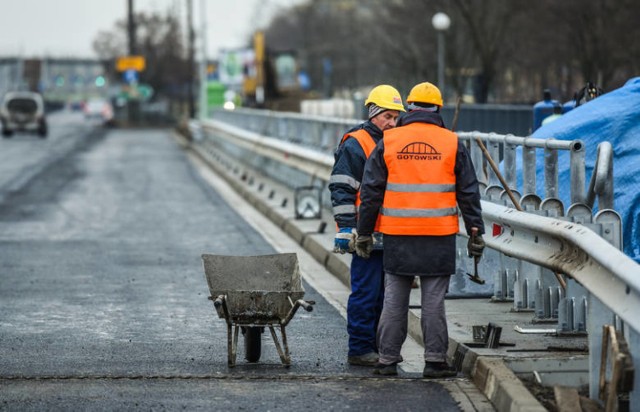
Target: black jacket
{"x":419,"y":255}
{"x":346,"y":176}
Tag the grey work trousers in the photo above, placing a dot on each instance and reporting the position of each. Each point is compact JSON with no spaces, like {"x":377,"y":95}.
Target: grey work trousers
{"x":392,"y":329}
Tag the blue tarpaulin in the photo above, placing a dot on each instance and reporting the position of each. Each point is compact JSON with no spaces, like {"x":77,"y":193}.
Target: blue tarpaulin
{"x":612,"y":117}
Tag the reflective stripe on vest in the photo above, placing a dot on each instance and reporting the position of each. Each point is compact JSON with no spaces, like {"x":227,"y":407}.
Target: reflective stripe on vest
{"x":345,"y":179}
{"x":420,"y":197}
{"x":367,"y":144}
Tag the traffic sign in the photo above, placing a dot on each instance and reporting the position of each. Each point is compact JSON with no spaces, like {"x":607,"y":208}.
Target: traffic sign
{"x":145,"y":91}
{"x":130,"y":76}
{"x":125,"y":63}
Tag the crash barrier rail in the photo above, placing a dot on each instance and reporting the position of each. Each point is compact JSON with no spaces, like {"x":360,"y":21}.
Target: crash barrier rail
{"x":321,"y":134}
{"x":528,"y":252}
{"x":317,"y":132}
{"x":320,"y":131}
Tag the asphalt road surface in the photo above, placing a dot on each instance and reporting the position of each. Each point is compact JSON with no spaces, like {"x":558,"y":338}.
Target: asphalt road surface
{"x":103,"y":300}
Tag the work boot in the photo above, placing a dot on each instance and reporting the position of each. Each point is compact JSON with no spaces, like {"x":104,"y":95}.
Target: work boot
{"x":368,"y":359}
{"x":438,"y":370}
{"x":385,"y":370}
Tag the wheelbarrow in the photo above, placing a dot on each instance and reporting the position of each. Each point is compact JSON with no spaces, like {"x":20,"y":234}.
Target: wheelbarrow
{"x":252,"y":293}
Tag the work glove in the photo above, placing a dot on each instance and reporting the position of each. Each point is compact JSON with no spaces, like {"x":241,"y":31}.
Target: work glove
{"x":344,"y":242}
{"x":364,"y":246}
{"x":475,"y":246}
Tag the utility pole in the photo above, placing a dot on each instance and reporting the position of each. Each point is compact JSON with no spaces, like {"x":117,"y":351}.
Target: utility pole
{"x":133,"y":105}
{"x":131,"y":29}
{"x":203,"y":112}
{"x":191,"y":65}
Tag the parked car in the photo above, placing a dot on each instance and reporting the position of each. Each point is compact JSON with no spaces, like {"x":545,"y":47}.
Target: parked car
{"x":23,"y":111}
{"x":99,"y":109}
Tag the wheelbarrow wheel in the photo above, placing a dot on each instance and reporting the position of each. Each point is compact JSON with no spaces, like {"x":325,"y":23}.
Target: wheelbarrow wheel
{"x":252,"y":343}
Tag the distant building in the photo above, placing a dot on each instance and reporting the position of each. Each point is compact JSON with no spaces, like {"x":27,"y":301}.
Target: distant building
{"x":61,"y":80}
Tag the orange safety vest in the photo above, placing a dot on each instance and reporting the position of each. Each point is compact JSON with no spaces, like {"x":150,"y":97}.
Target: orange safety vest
{"x":368,"y":144}
{"x":364,"y":138}
{"x":420,"y":196}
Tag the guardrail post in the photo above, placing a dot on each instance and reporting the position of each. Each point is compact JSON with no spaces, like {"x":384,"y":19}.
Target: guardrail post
{"x":493,"y":147}
{"x":634,"y":343}
{"x":609,"y":227}
{"x":525,"y":287}
{"x":550,"y":173}
{"x":478,"y":161}
{"x":577,"y":165}
{"x":509,"y":164}
{"x":504,"y":279}
{"x":529,"y":169}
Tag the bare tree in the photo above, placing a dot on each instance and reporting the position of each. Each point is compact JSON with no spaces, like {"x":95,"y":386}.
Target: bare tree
{"x":506,"y":51}
{"x":160,"y":41}
{"x":600,"y":35}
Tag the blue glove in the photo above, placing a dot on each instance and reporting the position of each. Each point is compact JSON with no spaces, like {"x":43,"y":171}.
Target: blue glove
{"x":344,"y":241}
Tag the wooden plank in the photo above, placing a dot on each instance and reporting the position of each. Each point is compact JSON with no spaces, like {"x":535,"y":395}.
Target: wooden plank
{"x":567,"y":399}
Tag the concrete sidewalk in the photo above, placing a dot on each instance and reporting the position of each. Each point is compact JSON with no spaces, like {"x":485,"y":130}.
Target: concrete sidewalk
{"x":497,"y":372}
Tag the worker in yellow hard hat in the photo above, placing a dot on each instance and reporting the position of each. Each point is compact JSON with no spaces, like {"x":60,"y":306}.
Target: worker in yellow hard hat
{"x":415,"y":182}
{"x":364,"y":306}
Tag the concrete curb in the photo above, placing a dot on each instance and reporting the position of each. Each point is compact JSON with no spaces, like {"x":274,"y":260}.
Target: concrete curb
{"x":490,"y":374}
{"x":502,"y":386}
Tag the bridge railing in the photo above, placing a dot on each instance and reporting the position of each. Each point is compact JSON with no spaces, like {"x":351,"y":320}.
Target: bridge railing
{"x":529,"y":251}
{"x":322,"y":134}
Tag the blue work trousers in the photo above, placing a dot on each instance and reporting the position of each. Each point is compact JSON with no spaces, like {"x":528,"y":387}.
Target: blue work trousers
{"x":365,"y":303}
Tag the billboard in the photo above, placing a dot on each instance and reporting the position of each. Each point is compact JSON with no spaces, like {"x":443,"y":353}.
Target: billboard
{"x":236,"y":65}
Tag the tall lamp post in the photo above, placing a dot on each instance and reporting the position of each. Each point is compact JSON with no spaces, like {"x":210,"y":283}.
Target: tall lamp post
{"x":441,"y":23}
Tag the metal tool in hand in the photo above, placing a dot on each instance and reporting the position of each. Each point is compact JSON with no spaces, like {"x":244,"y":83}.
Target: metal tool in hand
{"x":475,"y":277}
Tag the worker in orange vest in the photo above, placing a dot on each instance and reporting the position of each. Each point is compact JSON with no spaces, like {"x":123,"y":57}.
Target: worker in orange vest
{"x":364,"y":306}
{"x":415,"y":182}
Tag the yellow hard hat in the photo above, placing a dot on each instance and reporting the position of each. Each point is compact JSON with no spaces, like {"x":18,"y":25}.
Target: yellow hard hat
{"x":386,"y":97}
{"x":425,"y":93}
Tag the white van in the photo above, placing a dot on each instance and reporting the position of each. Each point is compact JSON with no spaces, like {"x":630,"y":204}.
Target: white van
{"x":23,"y":111}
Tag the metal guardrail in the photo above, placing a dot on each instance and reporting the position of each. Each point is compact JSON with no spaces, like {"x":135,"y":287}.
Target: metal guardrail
{"x":322,"y":134}
{"x":505,"y":147}
{"x":557,"y":245}
{"x":293,"y":155}
{"x":526,"y":246}
{"x":317,"y":132}
{"x":572,"y":249}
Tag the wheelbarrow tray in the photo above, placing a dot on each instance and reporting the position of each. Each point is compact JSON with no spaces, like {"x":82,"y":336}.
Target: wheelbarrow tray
{"x":255,"y":291}
{"x":260,"y":283}
{"x":258,"y":307}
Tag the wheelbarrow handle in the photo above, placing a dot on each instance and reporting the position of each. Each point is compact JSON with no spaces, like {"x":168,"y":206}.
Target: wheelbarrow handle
{"x":219,"y":301}
{"x":221,"y":307}
{"x":307,"y":305}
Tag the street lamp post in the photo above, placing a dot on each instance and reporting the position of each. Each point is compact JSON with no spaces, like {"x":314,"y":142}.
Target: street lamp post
{"x":441,"y":23}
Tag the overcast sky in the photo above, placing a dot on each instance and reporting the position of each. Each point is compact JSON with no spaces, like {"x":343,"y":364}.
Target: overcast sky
{"x":66,"y":28}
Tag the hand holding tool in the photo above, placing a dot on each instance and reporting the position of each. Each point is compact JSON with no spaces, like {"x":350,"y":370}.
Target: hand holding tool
{"x":473,"y":240}
{"x":344,"y":240}
{"x":364,"y":246}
